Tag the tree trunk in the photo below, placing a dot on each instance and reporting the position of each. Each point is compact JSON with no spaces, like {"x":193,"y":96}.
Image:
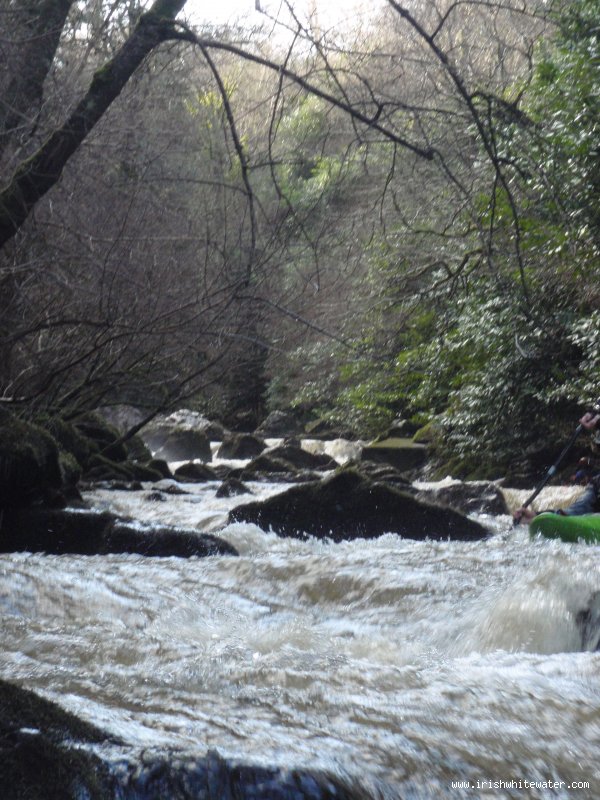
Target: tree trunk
{"x":38,"y":36}
{"x":39,"y":173}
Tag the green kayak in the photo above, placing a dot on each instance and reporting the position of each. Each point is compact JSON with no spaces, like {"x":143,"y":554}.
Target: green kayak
{"x":570,"y":529}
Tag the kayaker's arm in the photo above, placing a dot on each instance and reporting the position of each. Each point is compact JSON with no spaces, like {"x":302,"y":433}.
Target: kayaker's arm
{"x":588,"y":502}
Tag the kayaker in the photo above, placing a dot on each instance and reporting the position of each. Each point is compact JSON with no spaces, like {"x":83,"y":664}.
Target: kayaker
{"x":589,"y":502}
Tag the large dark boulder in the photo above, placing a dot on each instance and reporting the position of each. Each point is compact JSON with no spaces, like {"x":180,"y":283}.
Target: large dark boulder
{"x":185,"y":445}
{"x":195,"y":473}
{"x":69,"y":439}
{"x":180,"y":436}
{"x":241,"y":446}
{"x":47,"y":753}
{"x":59,"y":531}
{"x":30,"y":470}
{"x":298,"y":458}
{"x":232,"y":487}
{"x":104,"y":436}
{"x":403,"y":454}
{"x":213,"y":777}
{"x":41,"y":753}
{"x":472,"y":497}
{"x":347,"y":505}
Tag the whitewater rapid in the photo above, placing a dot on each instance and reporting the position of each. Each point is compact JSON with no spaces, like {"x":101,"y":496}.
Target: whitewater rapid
{"x":414,"y":667}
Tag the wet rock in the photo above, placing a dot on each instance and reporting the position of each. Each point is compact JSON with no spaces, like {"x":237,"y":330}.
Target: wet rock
{"x":170,"y":486}
{"x":241,"y":446}
{"x":183,"y":445}
{"x":382,"y":473}
{"x":114,"y":486}
{"x":182,"y":435}
{"x":347,"y":505}
{"x":87,"y":532}
{"x":588,"y":622}
{"x":105,"y":437}
{"x":232,"y":487}
{"x":268,"y":468}
{"x":156,"y":497}
{"x":297,"y":458}
{"x":403,"y":454}
{"x":49,"y":754}
{"x":195,"y":473}
{"x":216,"y":778}
{"x":160,"y":466}
{"x":70,"y":440}
{"x":216,"y":432}
{"x":30,"y":468}
{"x":41,"y":752}
{"x":224,"y":471}
{"x":137,"y":449}
{"x":473,"y":497}
{"x":101,"y":468}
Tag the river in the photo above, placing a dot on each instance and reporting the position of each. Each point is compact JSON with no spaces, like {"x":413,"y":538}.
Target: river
{"x":414,"y":667}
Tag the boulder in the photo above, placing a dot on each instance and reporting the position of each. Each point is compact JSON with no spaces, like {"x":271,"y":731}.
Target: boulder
{"x":84,"y":532}
{"x":161,"y":466}
{"x":180,"y":436}
{"x":137,"y":449}
{"x":472,"y":497}
{"x":348,"y":505}
{"x":69,"y":439}
{"x":382,"y":473}
{"x":41,"y":751}
{"x":241,"y":446}
{"x":298,"y":458}
{"x":184,"y":445}
{"x":104,"y":436}
{"x":232,"y":487}
{"x":30,"y":470}
{"x":194,"y":473}
{"x":403,"y":454}
{"x":47,"y":753}
{"x":101,"y":468}
{"x":266,"y":467}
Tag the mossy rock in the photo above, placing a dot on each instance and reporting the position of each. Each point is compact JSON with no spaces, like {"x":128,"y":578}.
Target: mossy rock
{"x":69,"y":439}
{"x":241,"y":446}
{"x":161,"y":466}
{"x":29,"y":463}
{"x":71,"y":468}
{"x":104,"y":435}
{"x":137,"y":449}
{"x":428,"y":434}
{"x":102,"y":468}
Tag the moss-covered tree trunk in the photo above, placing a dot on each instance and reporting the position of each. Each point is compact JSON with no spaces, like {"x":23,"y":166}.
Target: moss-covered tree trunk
{"x":38,"y":174}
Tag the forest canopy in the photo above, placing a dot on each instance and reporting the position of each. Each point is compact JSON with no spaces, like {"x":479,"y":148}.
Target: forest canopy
{"x":397,"y":218}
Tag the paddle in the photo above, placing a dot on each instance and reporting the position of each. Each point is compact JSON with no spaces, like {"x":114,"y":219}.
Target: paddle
{"x":554,"y":468}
